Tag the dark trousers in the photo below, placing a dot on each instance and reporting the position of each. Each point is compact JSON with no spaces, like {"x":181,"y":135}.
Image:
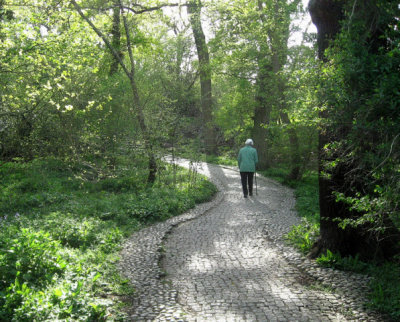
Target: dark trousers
{"x":247,"y":182}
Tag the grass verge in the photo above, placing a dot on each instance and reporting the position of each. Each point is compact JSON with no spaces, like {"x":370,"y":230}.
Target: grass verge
{"x":384,"y":293}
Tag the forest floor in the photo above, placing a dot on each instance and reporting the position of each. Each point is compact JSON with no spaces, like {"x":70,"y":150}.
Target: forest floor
{"x":227,"y":260}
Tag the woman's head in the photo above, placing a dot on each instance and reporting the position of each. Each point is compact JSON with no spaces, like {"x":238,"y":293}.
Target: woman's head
{"x":249,"y":142}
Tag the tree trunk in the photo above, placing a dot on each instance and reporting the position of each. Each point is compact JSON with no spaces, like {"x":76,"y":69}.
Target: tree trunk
{"x":194,"y":10}
{"x":264,"y":102}
{"x":326,"y":15}
{"x":137,"y":105}
{"x":260,"y":133}
{"x":295,"y":173}
{"x":116,"y":39}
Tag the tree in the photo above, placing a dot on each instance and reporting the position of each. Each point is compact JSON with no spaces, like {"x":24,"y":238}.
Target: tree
{"x":45,"y":82}
{"x":130,"y":73}
{"x":116,"y":38}
{"x":253,"y":41}
{"x":357,"y":207}
{"x":278,"y":37}
{"x":194,"y":10}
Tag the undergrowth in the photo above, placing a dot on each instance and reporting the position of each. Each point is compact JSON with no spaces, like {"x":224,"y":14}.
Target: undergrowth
{"x":62,"y":226}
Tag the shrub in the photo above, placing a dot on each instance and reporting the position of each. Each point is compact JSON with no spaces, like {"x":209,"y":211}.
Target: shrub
{"x":30,"y":260}
{"x":303,"y":235}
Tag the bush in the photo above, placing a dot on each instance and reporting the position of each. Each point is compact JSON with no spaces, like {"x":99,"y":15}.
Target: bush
{"x":69,"y":298}
{"x":30,"y":259}
{"x":40,"y":280}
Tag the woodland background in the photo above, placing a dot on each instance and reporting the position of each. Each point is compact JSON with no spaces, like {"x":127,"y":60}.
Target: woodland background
{"x":93,"y":94}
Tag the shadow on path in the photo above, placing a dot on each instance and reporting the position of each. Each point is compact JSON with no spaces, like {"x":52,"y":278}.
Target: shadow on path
{"x":224,"y":268}
{"x":218,"y":265}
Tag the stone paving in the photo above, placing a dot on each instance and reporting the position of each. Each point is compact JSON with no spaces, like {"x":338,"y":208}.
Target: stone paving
{"x":226,"y":261}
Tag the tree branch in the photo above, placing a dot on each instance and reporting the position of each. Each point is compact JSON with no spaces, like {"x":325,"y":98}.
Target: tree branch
{"x":102,"y":36}
{"x":387,"y":157}
{"x":128,"y":40}
{"x":149,"y":9}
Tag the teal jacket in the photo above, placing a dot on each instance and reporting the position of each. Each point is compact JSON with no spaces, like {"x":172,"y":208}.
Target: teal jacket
{"x":247,"y":159}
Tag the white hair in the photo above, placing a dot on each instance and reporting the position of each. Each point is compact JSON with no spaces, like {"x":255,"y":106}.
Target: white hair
{"x":249,"y":142}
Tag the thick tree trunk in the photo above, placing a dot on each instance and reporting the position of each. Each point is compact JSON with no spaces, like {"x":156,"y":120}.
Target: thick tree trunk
{"x":194,"y":10}
{"x":326,"y":15}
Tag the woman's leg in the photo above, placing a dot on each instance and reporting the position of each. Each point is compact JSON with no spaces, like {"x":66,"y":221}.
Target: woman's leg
{"x":250,"y":177}
{"x":243,"y":177}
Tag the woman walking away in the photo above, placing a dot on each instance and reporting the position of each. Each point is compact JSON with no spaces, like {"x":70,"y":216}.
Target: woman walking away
{"x":247,"y":160}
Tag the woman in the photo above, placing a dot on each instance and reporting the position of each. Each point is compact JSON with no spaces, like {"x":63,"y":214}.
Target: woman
{"x":247,"y":160}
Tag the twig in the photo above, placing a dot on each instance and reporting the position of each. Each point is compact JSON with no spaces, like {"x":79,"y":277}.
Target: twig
{"x":387,"y":157}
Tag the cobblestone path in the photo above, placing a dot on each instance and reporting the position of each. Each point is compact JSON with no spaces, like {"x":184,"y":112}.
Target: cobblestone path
{"x":226,"y":261}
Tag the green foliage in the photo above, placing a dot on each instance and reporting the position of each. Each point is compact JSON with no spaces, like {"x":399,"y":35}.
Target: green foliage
{"x":31,"y":256}
{"x":303,"y":236}
{"x":385,"y":280}
{"x":359,"y":90}
{"x":222,"y":159}
{"x":80,"y":232}
{"x":46,"y":76}
{"x":42,"y":280}
{"x":307,"y":197}
{"x":385,"y":295}
{"x":59,"y":253}
{"x":343,"y":263}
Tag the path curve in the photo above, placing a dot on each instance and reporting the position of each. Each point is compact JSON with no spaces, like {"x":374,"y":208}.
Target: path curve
{"x":226,"y":260}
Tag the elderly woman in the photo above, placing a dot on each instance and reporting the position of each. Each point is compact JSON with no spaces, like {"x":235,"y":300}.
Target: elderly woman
{"x":247,"y":160}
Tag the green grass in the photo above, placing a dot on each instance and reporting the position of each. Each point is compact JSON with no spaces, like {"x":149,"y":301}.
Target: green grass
{"x":224,"y":159}
{"x":62,"y":226}
{"x":304,"y":235}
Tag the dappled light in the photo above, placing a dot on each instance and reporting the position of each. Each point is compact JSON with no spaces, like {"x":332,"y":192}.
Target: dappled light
{"x":199,"y":160}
